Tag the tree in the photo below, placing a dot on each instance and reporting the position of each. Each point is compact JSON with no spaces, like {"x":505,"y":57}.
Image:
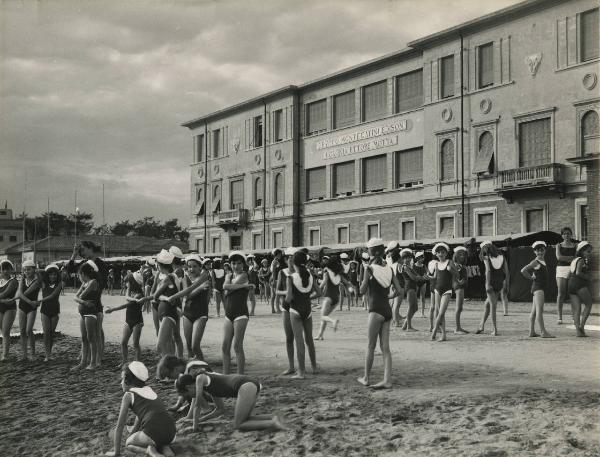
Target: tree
{"x":122,"y":228}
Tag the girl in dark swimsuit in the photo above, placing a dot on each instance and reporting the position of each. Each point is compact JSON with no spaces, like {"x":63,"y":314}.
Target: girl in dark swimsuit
{"x":154,"y":428}
{"x":496,"y":279}
{"x":537,"y":272}
{"x":9,"y":287}
{"x":445,"y":272}
{"x":579,"y":286}
{"x":29,"y":288}
{"x":330,"y":291}
{"x":281,"y":289}
{"x":377,"y":279}
{"x":88,"y":298}
{"x":50,"y":306}
{"x":421,"y":270}
{"x":134,"y":320}
{"x":202,"y":380}
{"x":218,"y":278}
{"x":253,"y":279}
{"x":565,"y":253}
{"x":459,"y":284}
{"x":411,"y":279}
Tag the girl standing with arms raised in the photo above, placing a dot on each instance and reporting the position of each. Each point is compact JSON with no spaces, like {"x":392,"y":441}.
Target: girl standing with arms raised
{"x":565,"y":253}
{"x":50,"y":309}
{"x":376,"y":283}
{"x":29,"y":289}
{"x":496,"y":279}
{"x":537,"y":272}
{"x":9,"y":288}
{"x":579,"y":286}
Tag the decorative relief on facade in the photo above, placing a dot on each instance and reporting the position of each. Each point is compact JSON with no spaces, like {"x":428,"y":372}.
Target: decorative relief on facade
{"x":201,"y":172}
{"x":590,"y":80}
{"x":236,"y":144}
{"x":533,"y":62}
{"x":257,"y":159}
{"x":485,"y":105}
{"x":447,"y":114}
{"x":278,"y":154}
{"x":216,"y":169}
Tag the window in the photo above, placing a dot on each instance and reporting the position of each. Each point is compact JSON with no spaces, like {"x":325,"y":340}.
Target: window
{"x":409,"y":91}
{"x":278,"y":192}
{"x":484,"y":156}
{"x":199,"y":148}
{"x":447,"y":161}
{"x":583,"y":221}
{"x":12,"y":238}
{"x":447,"y":77}
{"x":237,"y":194}
{"x":534,"y":142}
{"x":258,"y":131}
{"x":258,"y":192}
{"x":278,"y":125}
{"x":343,"y":178}
{"x":408,"y":230}
{"x":485,"y":60}
{"x":374,"y":101}
{"x":199,"y":210}
{"x":534,"y":220}
{"x":344,"y":110}
{"x":446,"y":229}
{"x":216,"y":244}
{"x":590,"y":133}
{"x":256,"y":241}
{"x":589,"y":37}
{"x":342,"y":234}
{"x":316,"y":117}
{"x":374,"y":173}
{"x":216,"y":199}
{"x":314,"y":237}
{"x":216,"y":143}
{"x":1,"y":238}
{"x":278,"y":239}
{"x":409,"y":167}
{"x":372,"y":230}
{"x":315,"y":183}
{"x":199,"y":245}
{"x":485,"y":224}
{"x":235,"y":243}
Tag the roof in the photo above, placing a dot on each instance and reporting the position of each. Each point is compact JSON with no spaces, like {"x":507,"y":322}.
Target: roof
{"x":113,"y":243}
{"x":494,"y":18}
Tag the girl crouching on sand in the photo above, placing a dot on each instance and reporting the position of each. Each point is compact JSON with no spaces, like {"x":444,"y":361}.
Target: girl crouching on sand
{"x":377,"y":280}
{"x":154,"y":428}
{"x":134,"y":319}
{"x":579,"y":286}
{"x":9,"y":287}
{"x":50,"y":309}
{"x":88,"y":298}
{"x":537,"y":272}
{"x":244,"y":389}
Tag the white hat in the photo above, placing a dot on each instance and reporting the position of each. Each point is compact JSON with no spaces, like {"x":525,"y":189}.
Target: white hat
{"x":150,"y":261}
{"x":581,"y":245}
{"x":343,"y":256}
{"x":8,"y":262}
{"x":460,"y":248}
{"x":139,"y":278}
{"x":139,"y":370}
{"x":176,"y":252}
{"x":205,"y":260}
{"x":250,"y":256}
{"x":290,"y":251}
{"x":51,"y":266}
{"x":194,"y":257}
{"x":538,"y":243}
{"x":392,"y":245}
{"x":419,"y":254}
{"x":28,"y":263}
{"x":365,"y":255}
{"x":440,"y":245}
{"x":233,"y":254}
{"x":92,"y":264}
{"x":165,"y":257}
{"x":406,"y":251}
{"x":484,"y":243}
{"x":374,"y":242}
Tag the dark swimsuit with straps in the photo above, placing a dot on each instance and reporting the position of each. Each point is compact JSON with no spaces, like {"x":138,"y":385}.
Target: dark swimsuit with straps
{"x":301,"y":300}
{"x":50,"y":308}
{"x":12,"y":283}
{"x":227,"y":386}
{"x":31,"y":295}
{"x":236,"y":304}
{"x":165,"y":308}
{"x":155,"y":421}
{"x":570,"y":252}
{"x":409,"y":284}
{"x":575,"y":282}
{"x":461,"y":276}
{"x":443,"y":280}
{"x":497,"y":275}
{"x":540,"y":278}
{"x":378,"y":299}
{"x":133,"y":311}
{"x":332,"y":291}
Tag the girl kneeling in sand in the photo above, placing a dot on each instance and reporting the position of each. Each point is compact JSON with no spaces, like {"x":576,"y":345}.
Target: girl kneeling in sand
{"x":579,"y":286}
{"x":377,"y":279}
{"x":88,"y":298}
{"x":134,"y":319}
{"x":244,"y":389}
{"x":537,"y":272}
{"x":154,"y":428}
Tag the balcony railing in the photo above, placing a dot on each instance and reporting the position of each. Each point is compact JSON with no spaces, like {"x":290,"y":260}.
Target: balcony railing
{"x":234,"y":217}
{"x":539,"y":176}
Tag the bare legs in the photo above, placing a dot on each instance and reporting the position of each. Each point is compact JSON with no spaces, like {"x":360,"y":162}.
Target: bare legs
{"x":100,"y":336}
{"x":89,"y":343}
{"x":177,"y":338}
{"x":413,"y":307}
{"x":6,"y":321}
{"x":378,"y":328}
{"x":26,"y":321}
{"x":218,"y":298}
{"x":302,"y":328}
{"x":141,"y":443}
{"x":127,"y":333}
{"x":155,"y":319}
{"x":289,"y":342}
{"x":561,"y":294}
{"x":164,"y":346}
{"x":234,"y":332}
{"x":252,"y":298}
{"x":537,"y":313}
{"x":432,"y":310}
{"x":441,"y":303}
{"x":504,"y":298}
{"x":422,"y":295}
{"x":490,"y":308}
{"x":244,"y":404}
{"x":460,"y":298}
{"x":396,"y":317}
{"x":580,"y":318}
{"x":326,"y":309}
{"x":194,"y":331}
{"x":49,"y":326}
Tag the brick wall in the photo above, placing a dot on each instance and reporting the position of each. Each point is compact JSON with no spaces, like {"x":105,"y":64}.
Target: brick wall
{"x":593,"y":186}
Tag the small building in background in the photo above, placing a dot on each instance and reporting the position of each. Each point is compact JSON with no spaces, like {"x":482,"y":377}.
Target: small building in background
{"x":11,"y":230}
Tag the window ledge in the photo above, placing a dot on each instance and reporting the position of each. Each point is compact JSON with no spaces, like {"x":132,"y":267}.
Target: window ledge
{"x":493,"y":86}
{"x":578,"y":64}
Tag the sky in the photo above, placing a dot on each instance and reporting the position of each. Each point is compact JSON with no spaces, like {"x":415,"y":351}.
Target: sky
{"x":93,"y":93}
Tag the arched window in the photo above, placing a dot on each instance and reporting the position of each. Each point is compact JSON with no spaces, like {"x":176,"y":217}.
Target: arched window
{"x":447,"y":161}
{"x":485,"y":154}
{"x":590,"y":133}
{"x":278,"y":193}
{"x":258,"y":192}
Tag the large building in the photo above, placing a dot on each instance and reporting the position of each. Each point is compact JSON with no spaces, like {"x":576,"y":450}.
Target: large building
{"x":487,"y":128}
{"x":11,"y":230}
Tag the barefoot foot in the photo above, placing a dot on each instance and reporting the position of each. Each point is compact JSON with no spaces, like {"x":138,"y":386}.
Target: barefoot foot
{"x":533,"y":335}
{"x":382,"y":385}
{"x":364,"y":381}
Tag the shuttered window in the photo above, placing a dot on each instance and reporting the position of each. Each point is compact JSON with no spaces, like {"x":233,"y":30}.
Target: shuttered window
{"x":344,"y":110}
{"x":256,"y":241}
{"x":216,"y":245}
{"x":343,"y":178}
{"x":237,"y":194}
{"x":485,"y":224}
{"x":199,"y":209}
{"x":278,"y":193}
{"x":486,"y":65}
{"x":342,"y":235}
{"x":446,"y":227}
{"x":258,"y":192}
{"x":409,"y":167}
{"x":315,"y":183}
{"x":258,"y":131}
{"x":447,"y":76}
{"x":372,"y":231}
{"x":534,"y":142}
{"x":408,"y":230}
{"x":216,"y":200}
{"x":374,"y":173}
{"x":484,"y":156}
{"x":316,"y":117}
{"x":534,"y":220}
{"x":590,"y":133}
{"x":216,"y":143}
{"x":409,"y":91}
{"x":278,"y":125}
{"x":589,"y":37}
{"x":199,"y":148}
{"x":447,"y":161}
{"x":374,"y":101}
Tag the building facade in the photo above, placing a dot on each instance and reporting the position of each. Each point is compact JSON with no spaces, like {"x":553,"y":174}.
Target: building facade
{"x":11,"y":230}
{"x":478,"y":130}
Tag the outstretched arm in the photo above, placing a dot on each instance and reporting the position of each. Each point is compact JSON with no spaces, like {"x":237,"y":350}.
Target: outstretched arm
{"x":125,"y":405}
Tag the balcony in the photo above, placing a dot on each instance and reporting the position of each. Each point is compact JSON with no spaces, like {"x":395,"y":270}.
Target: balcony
{"x":510,"y":183}
{"x":232,"y":219}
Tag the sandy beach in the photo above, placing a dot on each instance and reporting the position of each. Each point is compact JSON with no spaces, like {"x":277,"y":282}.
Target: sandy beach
{"x":474,"y":395}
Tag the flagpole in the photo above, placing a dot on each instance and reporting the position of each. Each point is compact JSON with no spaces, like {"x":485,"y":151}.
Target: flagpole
{"x":75,"y":217}
{"x":103,"y":227}
{"x":24,"y":217}
{"x":48,"y":241}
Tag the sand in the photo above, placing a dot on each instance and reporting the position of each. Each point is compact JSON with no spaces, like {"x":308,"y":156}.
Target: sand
{"x":474,"y":395}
